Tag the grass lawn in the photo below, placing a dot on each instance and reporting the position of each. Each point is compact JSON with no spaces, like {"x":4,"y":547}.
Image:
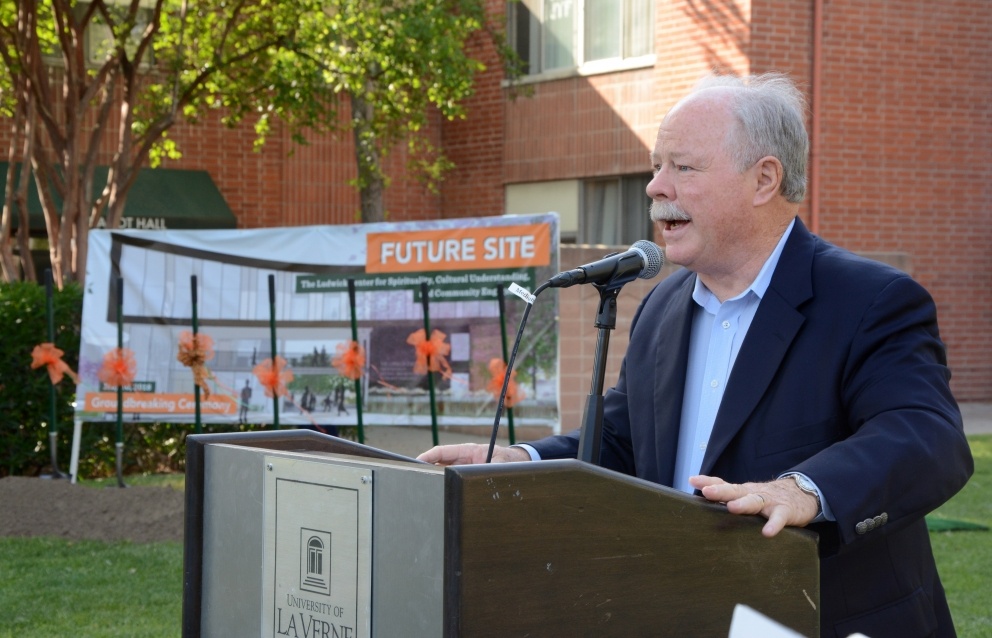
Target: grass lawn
{"x":88,"y":589}
{"x":964,"y":558}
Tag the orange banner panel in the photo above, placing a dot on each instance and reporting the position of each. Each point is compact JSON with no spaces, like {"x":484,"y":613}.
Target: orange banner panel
{"x":459,"y":249}
{"x":153,"y":403}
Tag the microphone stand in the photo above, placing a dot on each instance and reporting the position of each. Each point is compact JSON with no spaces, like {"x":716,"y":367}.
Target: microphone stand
{"x":591,"y":434}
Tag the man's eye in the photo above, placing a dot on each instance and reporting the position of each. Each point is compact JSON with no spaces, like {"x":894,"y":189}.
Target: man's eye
{"x":682,"y":168}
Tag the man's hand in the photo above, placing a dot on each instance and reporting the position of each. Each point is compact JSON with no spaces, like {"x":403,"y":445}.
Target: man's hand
{"x":471,"y":453}
{"x":780,"y":501}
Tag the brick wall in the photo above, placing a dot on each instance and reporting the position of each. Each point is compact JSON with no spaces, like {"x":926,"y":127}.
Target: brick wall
{"x":475,"y":186}
{"x":577,"y":308}
{"x":907,"y":144}
{"x":287,"y":184}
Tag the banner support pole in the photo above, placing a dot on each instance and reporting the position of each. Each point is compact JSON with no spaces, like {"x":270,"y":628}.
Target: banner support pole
{"x":53,"y":424}
{"x":119,"y":444}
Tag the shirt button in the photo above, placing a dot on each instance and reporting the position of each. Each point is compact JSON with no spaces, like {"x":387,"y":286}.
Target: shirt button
{"x":702,"y":446}
{"x":714,"y":383}
{"x":726,"y":325}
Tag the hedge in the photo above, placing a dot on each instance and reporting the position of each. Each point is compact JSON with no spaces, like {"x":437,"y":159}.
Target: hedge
{"x":25,"y":394}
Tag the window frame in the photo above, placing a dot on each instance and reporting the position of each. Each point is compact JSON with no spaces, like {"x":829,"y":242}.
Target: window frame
{"x":518,"y":12}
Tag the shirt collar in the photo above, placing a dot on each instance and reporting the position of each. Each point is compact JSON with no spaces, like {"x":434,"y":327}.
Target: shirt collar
{"x":702,"y":295}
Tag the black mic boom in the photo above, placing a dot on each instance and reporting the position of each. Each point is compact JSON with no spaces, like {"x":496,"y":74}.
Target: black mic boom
{"x":643,"y":260}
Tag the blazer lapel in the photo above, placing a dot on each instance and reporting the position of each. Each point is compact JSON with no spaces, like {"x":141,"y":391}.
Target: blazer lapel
{"x":775,"y":325}
{"x":671,"y":359}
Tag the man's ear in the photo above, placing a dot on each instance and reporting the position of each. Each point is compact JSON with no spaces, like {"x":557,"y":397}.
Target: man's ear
{"x":768,"y":184}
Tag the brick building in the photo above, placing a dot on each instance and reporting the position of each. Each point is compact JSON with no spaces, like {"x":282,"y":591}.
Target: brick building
{"x":901,"y":129}
{"x":901,"y":124}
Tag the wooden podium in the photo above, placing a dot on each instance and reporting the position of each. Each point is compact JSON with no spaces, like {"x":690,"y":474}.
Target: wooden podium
{"x":296,"y":533}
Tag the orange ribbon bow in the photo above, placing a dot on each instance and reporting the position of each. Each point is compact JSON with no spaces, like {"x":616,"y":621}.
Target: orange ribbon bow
{"x":194,"y":352}
{"x":273,"y":378}
{"x":47,"y":354}
{"x":118,"y":368}
{"x":349,"y":360}
{"x":513,"y":392}
{"x":431,"y":352}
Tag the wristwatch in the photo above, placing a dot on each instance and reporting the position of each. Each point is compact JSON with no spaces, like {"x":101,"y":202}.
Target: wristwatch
{"x":806,"y":485}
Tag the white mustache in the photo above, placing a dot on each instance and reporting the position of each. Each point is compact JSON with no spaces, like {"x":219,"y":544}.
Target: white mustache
{"x":668,"y":212}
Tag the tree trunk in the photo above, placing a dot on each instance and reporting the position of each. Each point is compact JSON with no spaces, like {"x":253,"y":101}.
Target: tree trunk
{"x":24,"y":226}
{"x":371,"y":195}
{"x":11,"y":272}
{"x":371,"y":183}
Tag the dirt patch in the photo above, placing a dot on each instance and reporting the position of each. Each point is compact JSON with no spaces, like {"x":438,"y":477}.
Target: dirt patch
{"x":56,"y":508}
{"x":31,"y":506}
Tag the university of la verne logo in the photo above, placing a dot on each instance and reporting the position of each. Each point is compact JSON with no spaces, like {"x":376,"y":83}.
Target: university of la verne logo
{"x":315,"y":561}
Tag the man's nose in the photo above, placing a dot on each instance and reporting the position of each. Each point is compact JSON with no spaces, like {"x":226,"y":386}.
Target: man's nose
{"x":660,"y":187}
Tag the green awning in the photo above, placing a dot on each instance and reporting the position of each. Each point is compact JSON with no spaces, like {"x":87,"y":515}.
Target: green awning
{"x":160,"y":199}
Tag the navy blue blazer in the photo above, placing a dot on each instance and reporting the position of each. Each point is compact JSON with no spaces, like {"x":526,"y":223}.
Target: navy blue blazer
{"x":843,"y":377}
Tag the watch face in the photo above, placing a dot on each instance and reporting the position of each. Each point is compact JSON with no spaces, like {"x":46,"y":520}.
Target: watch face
{"x":803,"y":483}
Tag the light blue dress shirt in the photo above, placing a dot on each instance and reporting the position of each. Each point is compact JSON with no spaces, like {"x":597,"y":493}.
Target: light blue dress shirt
{"x":718,"y":330}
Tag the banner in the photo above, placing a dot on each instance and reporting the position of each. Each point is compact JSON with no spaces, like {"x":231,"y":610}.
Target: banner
{"x":463,"y":262}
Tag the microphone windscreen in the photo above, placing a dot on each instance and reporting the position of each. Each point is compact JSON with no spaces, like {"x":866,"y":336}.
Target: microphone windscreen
{"x":654,"y":259}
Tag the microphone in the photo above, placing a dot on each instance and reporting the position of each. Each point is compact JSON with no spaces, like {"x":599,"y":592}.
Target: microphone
{"x":643,"y":260}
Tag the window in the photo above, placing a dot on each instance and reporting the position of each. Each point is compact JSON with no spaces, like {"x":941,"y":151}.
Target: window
{"x":551,"y":35}
{"x":560,"y":196}
{"x":100,"y":38}
{"x":615,"y":211}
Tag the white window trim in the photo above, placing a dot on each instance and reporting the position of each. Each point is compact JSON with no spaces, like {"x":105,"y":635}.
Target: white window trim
{"x":597,"y":67}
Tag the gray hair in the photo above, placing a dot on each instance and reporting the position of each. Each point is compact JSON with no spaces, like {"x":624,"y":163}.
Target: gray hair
{"x":771,"y":117}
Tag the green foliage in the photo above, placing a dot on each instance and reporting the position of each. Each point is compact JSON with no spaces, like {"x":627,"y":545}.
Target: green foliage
{"x":299,"y":62}
{"x":26,"y":397}
{"x":292,"y":61}
{"x":148,"y":447}
{"x":26,"y":394}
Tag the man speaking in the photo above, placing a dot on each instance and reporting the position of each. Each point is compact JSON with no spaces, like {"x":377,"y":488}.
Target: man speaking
{"x":780,"y":374}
